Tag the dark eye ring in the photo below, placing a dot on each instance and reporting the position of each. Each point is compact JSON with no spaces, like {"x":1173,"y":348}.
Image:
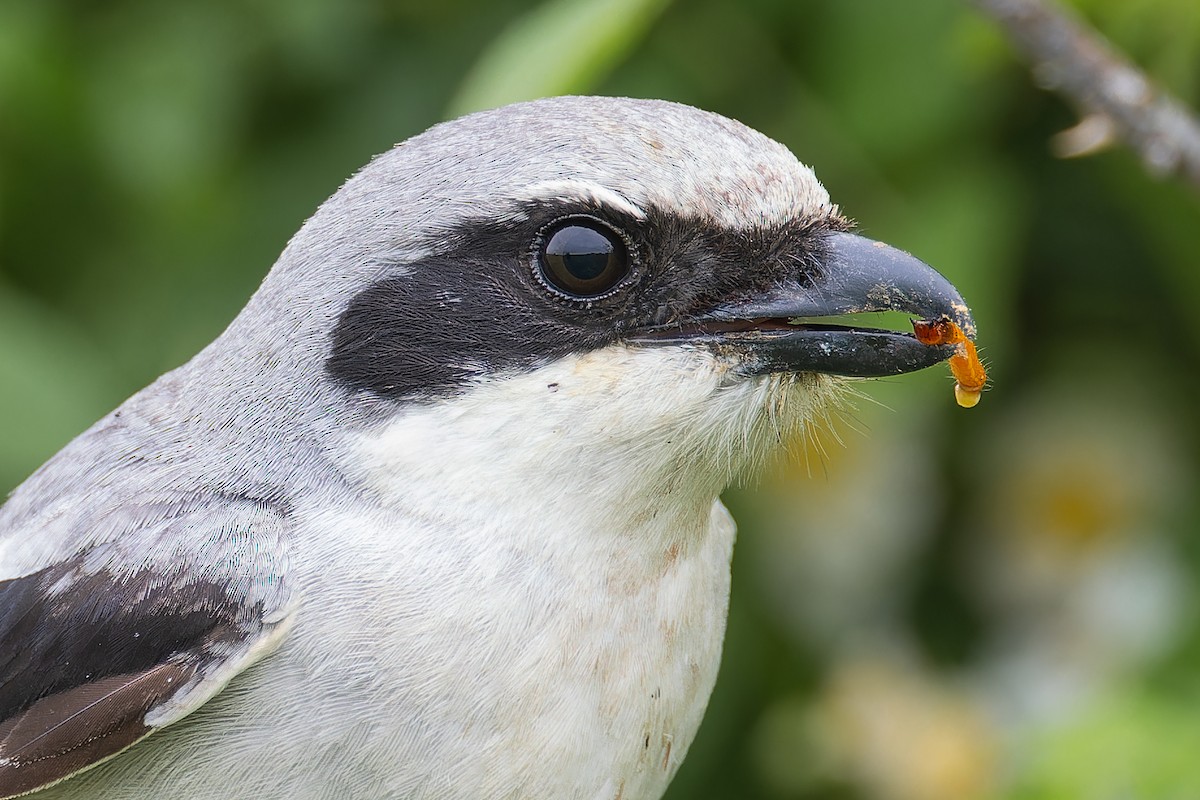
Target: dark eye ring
{"x":582,"y":257}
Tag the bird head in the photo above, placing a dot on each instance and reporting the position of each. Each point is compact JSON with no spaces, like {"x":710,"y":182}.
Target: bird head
{"x":611,"y":289}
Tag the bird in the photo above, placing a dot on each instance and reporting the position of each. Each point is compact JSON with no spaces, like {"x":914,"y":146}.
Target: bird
{"x":437,"y":516}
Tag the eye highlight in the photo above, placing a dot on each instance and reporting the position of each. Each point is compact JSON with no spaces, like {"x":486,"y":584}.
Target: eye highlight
{"x":582,"y":257}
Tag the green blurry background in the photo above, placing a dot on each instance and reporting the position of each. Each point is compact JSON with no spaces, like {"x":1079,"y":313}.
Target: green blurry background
{"x":928,"y":602}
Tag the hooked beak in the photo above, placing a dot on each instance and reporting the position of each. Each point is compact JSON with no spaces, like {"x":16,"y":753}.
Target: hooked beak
{"x":769,"y":332}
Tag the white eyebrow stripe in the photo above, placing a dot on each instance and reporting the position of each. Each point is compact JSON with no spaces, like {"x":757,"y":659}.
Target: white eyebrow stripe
{"x":581,"y":190}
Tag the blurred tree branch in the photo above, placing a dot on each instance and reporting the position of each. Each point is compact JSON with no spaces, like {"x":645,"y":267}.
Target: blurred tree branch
{"x":1115,"y":99}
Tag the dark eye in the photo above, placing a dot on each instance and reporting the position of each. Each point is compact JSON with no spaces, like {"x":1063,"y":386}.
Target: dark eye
{"x":582,"y":257}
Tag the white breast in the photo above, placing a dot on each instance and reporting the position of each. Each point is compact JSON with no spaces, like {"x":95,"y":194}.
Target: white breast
{"x":526,"y":671}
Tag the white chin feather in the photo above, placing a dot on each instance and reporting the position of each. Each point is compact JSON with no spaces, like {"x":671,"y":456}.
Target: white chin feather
{"x":596,"y":429}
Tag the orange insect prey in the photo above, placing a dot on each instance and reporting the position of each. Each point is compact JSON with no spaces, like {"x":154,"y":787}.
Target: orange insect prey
{"x":965,"y":365}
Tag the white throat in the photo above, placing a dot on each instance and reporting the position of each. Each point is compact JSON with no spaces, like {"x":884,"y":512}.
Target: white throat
{"x":597,"y":442}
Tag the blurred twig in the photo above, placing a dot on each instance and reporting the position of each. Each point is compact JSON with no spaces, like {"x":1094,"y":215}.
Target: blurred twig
{"x":1116,"y":100}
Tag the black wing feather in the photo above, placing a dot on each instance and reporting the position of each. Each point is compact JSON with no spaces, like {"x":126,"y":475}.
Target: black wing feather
{"x":84,"y":655}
